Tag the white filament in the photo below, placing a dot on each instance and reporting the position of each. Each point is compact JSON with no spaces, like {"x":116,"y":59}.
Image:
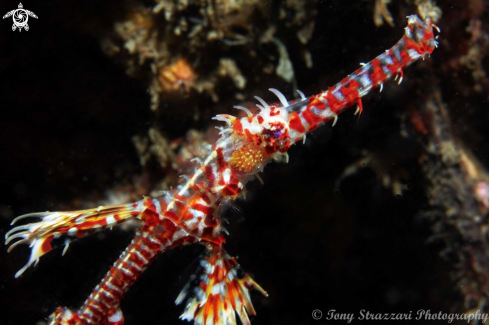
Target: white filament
{"x":264,"y":103}
{"x":247,"y":111}
{"x":280,"y":96}
{"x":301,"y":93}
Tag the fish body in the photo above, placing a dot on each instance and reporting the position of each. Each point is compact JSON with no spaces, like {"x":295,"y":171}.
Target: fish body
{"x":191,"y":213}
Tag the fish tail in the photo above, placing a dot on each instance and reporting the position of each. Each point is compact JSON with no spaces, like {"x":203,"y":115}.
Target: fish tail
{"x":218,"y":290}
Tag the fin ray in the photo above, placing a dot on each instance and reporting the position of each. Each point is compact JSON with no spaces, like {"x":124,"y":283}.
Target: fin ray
{"x":219,"y":292}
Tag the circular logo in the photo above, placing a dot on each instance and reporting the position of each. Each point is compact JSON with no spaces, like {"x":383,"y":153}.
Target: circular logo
{"x":317,"y":314}
{"x":20,"y":17}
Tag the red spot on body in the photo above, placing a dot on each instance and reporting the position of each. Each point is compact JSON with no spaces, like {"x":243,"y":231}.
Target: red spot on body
{"x":231,"y":189}
{"x":80,"y":234}
{"x":286,"y":146}
{"x":335,"y":105}
{"x":396,"y":66}
{"x":427,"y":37}
{"x":203,"y":286}
{"x":148,"y":203}
{"x":207,"y":235}
{"x":220,"y":273}
{"x":163,"y":238}
{"x":221,"y":163}
{"x":207,"y":308}
{"x":315,"y":101}
{"x":150,"y":217}
{"x":117,"y":279}
{"x":238,"y":291}
{"x":181,"y":241}
{"x":233,"y":179}
{"x":107,"y":297}
{"x":269,"y":150}
{"x":205,"y":198}
{"x":378,"y":76}
{"x":405,"y":57}
{"x":180,"y":197}
{"x":180,"y":205}
{"x":147,"y":255}
{"x":187,"y":216}
{"x":95,"y":311}
{"x":350,"y":91}
{"x":259,"y":119}
{"x":103,"y":304}
{"x":249,"y":136}
{"x":91,"y":224}
{"x":209,"y":175}
{"x":249,"y":286}
{"x":152,"y":246}
{"x":137,"y":273}
{"x":136,"y":260}
{"x":217,"y":299}
{"x":203,"y":208}
{"x":210,"y":220}
{"x":411,"y":44}
{"x":232,"y":298}
{"x":311,"y":118}
{"x":172,"y":215}
{"x":169,"y":226}
{"x":46,"y":245}
{"x":238,"y":127}
{"x":295,"y":123}
{"x":274,"y":113}
{"x":118,"y":294}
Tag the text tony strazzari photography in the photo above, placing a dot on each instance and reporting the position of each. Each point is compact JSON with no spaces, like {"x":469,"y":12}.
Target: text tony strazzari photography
{"x":420,"y":314}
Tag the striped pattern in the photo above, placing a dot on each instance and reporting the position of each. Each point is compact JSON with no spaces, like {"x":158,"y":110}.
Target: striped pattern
{"x":218,"y":290}
{"x":57,"y":229}
{"x":309,"y":114}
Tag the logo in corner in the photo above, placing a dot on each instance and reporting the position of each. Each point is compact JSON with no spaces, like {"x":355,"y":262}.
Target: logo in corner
{"x":20,"y":17}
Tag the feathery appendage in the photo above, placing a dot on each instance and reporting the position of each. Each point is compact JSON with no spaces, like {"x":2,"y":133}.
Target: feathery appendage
{"x":218,"y":290}
{"x":56,"y":229}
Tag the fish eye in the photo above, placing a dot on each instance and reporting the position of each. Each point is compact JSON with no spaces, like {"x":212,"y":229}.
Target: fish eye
{"x":275,"y":133}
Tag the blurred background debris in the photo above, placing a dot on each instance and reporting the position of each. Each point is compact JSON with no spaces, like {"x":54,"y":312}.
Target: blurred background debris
{"x":183,"y":48}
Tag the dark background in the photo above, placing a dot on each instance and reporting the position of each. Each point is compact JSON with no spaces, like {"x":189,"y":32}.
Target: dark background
{"x":67,"y":117}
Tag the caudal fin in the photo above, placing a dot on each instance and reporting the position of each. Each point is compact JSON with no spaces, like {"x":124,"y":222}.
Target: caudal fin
{"x":218,"y":291}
